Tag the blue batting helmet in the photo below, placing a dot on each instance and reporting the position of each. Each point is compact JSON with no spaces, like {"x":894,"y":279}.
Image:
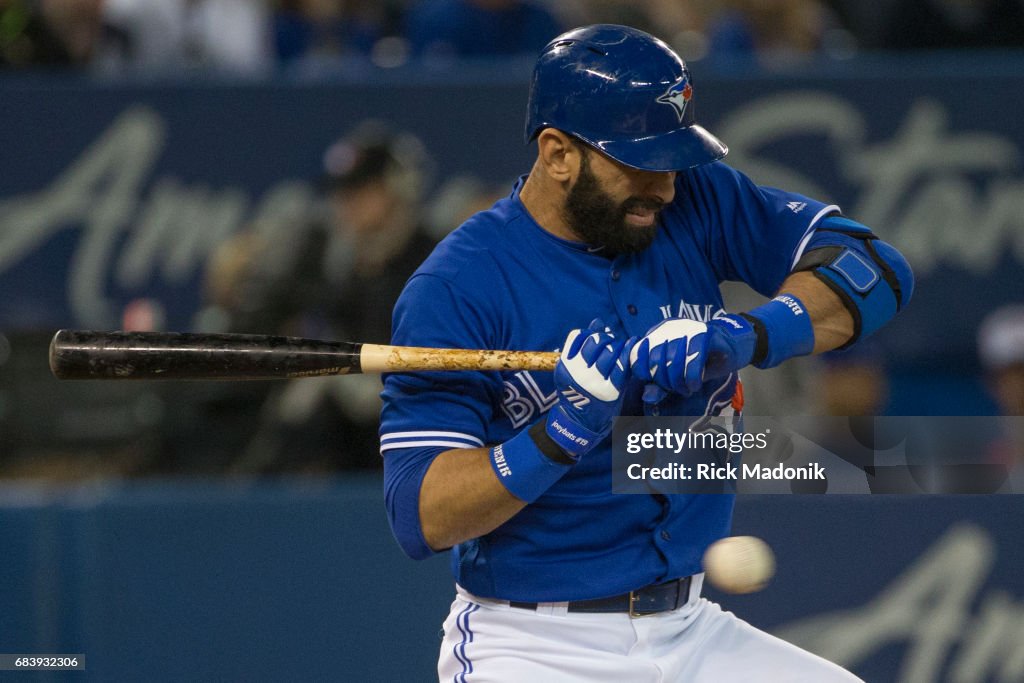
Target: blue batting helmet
{"x":624,"y":92}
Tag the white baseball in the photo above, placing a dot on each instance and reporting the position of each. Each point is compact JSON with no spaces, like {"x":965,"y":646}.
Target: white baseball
{"x":739,"y":564}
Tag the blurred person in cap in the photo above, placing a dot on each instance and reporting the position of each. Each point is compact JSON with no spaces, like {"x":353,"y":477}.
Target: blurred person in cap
{"x":1001,"y":348}
{"x":375,"y":179}
{"x":339,"y":281}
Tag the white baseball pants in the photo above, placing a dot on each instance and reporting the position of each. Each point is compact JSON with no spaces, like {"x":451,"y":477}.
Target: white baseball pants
{"x":487,"y":640}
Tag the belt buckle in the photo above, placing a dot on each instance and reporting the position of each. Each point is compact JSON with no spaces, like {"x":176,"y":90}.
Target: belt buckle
{"x":633,"y":613}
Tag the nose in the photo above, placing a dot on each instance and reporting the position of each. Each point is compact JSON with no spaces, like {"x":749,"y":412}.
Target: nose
{"x":659,"y":184}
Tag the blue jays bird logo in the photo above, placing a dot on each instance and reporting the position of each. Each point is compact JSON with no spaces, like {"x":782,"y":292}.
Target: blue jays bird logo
{"x":678,"y":96}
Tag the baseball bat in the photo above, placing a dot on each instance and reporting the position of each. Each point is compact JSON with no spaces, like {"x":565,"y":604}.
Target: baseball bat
{"x":82,"y":354}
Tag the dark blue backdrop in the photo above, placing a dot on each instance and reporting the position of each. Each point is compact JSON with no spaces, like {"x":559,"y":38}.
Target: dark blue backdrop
{"x":302,"y":581}
{"x":116,"y":191}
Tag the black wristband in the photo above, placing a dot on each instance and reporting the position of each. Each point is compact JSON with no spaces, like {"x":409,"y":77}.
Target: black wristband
{"x":547,"y":445}
{"x":761,"y":344}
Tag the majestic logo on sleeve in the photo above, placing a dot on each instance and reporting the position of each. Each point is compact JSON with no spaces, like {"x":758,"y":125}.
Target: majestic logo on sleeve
{"x":678,"y":96}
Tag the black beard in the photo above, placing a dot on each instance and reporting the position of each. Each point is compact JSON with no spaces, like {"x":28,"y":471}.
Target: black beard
{"x":598,"y":221}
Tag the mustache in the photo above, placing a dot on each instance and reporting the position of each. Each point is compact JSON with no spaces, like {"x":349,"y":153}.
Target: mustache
{"x":643,"y":203}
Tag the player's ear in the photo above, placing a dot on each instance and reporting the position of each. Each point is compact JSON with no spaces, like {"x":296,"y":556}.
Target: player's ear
{"x":559,"y":154}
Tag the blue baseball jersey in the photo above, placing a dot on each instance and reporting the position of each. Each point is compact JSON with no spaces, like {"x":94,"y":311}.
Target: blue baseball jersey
{"x":500,"y":281}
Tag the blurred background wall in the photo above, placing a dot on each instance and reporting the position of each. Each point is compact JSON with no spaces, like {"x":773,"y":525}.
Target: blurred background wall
{"x":281,"y":167}
{"x":163,"y":581}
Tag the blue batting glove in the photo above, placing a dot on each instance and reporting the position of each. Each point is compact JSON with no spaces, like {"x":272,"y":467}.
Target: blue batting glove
{"x":731,"y":343}
{"x":678,"y":355}
{"x":589,"y":378}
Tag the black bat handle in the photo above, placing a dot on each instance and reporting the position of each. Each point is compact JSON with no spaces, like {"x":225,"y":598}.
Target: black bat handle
{"x":79,"y":354}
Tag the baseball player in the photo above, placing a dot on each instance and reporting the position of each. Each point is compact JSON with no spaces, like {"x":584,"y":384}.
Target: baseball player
{"x":611,"y":249}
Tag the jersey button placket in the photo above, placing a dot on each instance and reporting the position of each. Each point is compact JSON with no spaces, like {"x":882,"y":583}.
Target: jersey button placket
{"x":620,"y":289}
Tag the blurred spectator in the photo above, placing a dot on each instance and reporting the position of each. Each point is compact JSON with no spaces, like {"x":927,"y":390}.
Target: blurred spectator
{"x":211,"y":423}
{"x":166,"y":35}
{"x":49,"y":32}
{"x":480,"y":28}
{"x":771,"y":31}
{"x":895,"y":454}
{"x":678,"y":22}
{"x":457,"y":199}
{"x":853,"y":388}
{"x":338,"y":281}
{"x":946,"y":24}
{"x":328,"y":29}
{"x":1001,"y":347}
{"x":854,"y":382}
{"x":626,"y":12}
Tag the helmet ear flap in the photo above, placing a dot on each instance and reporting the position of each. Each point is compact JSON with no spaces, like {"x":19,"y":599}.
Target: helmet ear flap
{"x":624,"y":92}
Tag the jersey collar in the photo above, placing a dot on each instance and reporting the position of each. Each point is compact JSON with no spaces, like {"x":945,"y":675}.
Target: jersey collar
{"x":582,"y":247}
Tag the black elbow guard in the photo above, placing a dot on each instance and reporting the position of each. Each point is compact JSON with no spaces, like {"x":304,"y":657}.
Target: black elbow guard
{"x":871,"y":277}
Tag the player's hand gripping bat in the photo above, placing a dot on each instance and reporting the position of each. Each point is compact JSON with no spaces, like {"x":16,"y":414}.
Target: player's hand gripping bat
{"x":179,"y":355}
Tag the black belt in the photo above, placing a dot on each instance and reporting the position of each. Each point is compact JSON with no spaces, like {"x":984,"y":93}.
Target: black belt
{"x":663,"y":597}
